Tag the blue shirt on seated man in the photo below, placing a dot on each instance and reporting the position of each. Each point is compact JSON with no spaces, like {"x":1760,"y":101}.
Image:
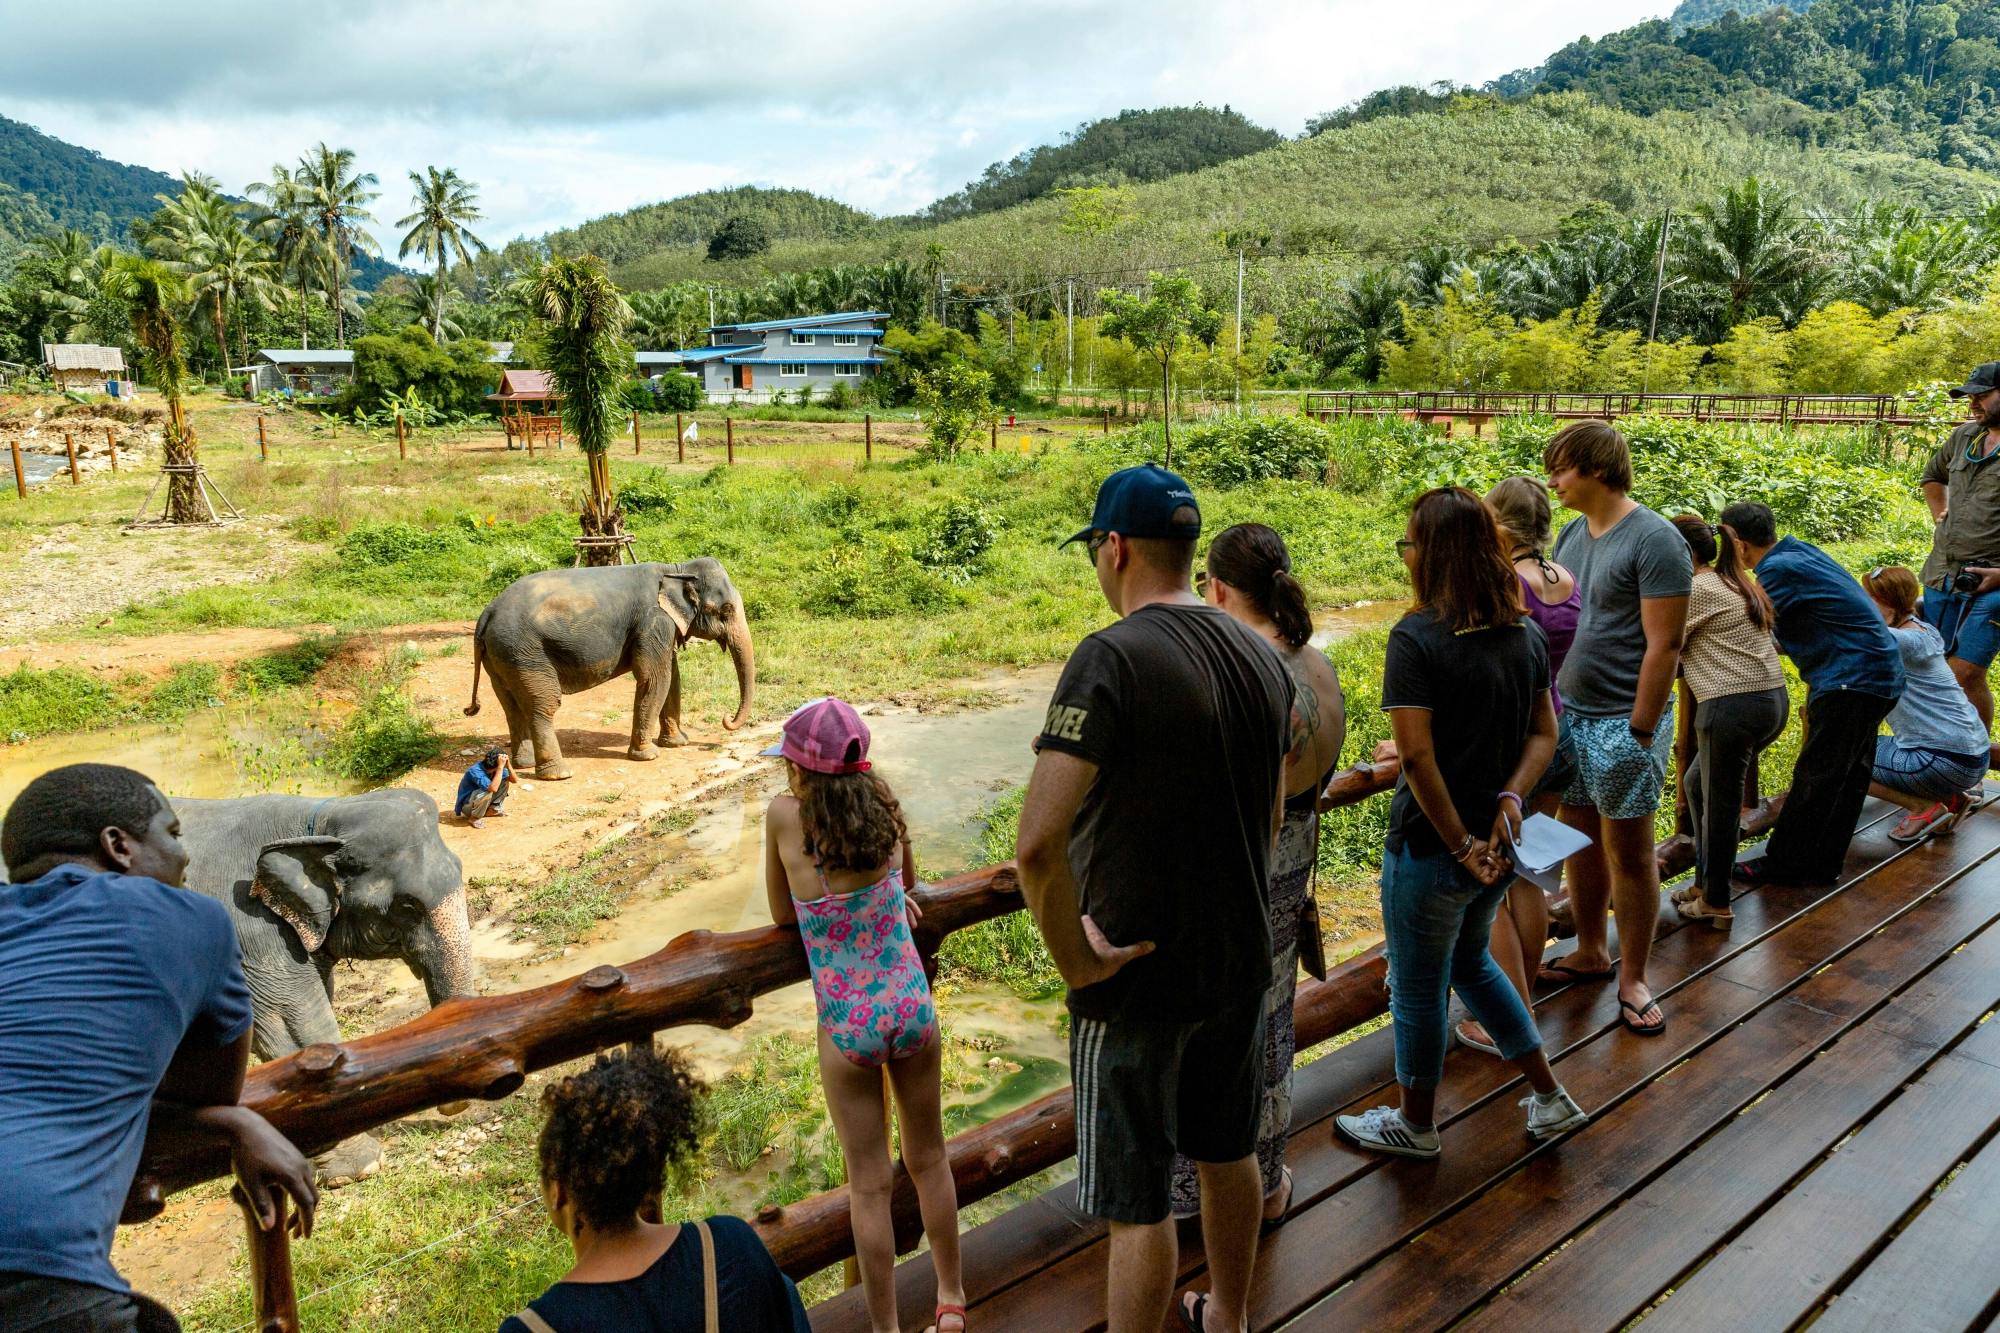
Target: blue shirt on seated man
{"x":483,"y":789}
{"x":123,"y":1010}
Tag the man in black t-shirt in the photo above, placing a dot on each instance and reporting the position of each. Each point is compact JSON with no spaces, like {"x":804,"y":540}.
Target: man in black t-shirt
{"x":1144,"y":852}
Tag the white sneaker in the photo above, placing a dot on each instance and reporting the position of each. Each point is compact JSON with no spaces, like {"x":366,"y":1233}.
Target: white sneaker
{"x":1384,"y":1129}
{"x":1559,"y":1115}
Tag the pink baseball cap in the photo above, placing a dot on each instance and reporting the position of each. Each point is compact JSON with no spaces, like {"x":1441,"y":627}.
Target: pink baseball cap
{"x":825,"y":736}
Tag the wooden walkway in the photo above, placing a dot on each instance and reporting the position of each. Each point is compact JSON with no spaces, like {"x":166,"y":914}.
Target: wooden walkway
{"x":1812,"y":1140}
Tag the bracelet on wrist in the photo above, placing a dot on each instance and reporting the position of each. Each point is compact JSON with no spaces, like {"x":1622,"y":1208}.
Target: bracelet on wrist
{"x":1515,"y":798}
{"x":1464,"y":846}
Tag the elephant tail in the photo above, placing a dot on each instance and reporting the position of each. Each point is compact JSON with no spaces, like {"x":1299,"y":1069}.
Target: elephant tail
{"x":478,"y":655}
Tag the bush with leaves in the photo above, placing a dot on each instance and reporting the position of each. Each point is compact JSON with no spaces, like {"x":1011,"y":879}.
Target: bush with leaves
{"x":454,"y":377}
{"x":957,"y":538}
{"x":954,"y":398}
{"x":678,"y":391}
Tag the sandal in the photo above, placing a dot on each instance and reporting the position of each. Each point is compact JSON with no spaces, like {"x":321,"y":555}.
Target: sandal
{"x":1195,"y":1316}
{"x":1697,"y":909}
{"x":1474,"y":1043}
{"x":1686,"y":893}
{"x":937,"y":1318}
{"x":1273,"y":1223}
{"x":1563,"y":972}
{"x":1928,"y":823}
{"x":1629,"y":1012}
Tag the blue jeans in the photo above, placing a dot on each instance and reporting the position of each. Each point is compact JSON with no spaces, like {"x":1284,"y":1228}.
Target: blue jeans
{"x":1970,"y":625}
{"x":1437,"y":918}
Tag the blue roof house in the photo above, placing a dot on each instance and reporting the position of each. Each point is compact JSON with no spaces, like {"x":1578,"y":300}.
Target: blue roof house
{"x":748,"y":363}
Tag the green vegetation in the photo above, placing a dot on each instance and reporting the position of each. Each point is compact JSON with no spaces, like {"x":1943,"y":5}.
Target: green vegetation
{"x":289,"y":668}
{"x":38,"y":703}
{"x":191,"y":686}
{"x":385,"y":737}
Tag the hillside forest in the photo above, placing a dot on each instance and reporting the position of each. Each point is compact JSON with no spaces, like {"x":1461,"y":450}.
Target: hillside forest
{"x":1789,"y":200}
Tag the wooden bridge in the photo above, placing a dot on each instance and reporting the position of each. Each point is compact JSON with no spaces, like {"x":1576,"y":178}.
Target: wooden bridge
{"x":1434,"y":407}
{"x":1812,"y":1139}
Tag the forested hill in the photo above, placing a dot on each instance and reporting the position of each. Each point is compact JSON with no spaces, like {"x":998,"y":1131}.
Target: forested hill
{"x":1904,"y":76}
{"x":46,"y":183}
{"x":1130,"y":146}
{"x":691,"y":219}
{"x":1694,"y":13}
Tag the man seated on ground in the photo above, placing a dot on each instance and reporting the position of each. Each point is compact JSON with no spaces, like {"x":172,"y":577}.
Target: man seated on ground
{"x":483,"y":789}
{"x":1854,"y":675}
{"x":122,"y":1007}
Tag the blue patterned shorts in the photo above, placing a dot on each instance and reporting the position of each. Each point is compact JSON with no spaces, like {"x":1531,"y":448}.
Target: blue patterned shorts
{"x":1614,"y":773}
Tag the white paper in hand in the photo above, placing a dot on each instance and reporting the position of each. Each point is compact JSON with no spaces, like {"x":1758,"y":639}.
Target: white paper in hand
{"x":1542,"y":848}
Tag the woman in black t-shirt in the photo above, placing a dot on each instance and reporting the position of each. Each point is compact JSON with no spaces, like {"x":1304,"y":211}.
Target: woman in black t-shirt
{"x":610,"y":1134}
{"x":1466,"y":687}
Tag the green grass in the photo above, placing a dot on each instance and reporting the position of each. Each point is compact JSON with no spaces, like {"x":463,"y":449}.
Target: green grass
{"x":385,"y":737}
{"x":288,"y":668}
{"x":189,"y":687}
{"x":34,"y":702}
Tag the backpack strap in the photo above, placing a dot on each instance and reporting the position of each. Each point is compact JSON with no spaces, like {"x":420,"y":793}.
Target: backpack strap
{"x":535,"y":1323}
{"x":711,"y":1317}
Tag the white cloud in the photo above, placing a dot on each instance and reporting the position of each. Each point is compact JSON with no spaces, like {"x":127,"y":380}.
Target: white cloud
{"x":560,"y":113}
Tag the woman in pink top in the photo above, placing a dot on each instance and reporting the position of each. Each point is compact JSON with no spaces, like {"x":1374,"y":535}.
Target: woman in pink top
{"x":836,"y":860}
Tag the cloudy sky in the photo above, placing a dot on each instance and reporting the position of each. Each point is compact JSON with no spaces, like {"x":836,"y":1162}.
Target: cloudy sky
{"x":566,"y":111}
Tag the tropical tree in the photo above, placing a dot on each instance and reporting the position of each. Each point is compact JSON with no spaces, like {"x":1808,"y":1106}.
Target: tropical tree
{"x":68,"y":268}
{"x":582,"y":315}
{"x":898,"y":288}
{"x":1753,"y":252}
{"x":440,"y":226}
{"x":153,"y":293}
{"x":287,"y":223}
{"x":1348,"y":326}
{"x":1158,"y":324}
{"x":233,"y":268}
{"x":436,"y":301}
{"x":337,"y":198}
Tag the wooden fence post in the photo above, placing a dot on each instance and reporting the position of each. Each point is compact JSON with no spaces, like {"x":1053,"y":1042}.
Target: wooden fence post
{"x":635,"y":434}
{"x":1106,"y":419}
{"x":993,"y":437}
{"x":20,"y":477}
{"x":274,"y":1300}
{"x":868,"y":437}
{"x":69,"y":447}
{"x":111,"y":442}
{"x":729,"y":432}
{"x":263,"y":446}
{"x":401,"y":450}
{"x":680,"y":440}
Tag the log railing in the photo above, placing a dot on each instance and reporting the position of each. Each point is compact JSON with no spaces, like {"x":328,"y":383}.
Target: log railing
{"x":1874,"y":410}
{"x":486,"y":1046}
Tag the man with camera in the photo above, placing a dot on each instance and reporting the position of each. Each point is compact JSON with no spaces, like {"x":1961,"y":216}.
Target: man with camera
{"x":1962,"y":576}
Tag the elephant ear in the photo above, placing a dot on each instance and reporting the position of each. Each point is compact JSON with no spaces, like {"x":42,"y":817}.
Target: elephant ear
{"x":295,"y":879}
{"x":672,"y":585}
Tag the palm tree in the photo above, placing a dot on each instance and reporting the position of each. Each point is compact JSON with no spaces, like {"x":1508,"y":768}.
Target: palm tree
{"x":152,"y":292}
{"x":232,"y":268}
{"x":1752,"y":251}
{"x":338,"y":198}
{"x":70,"y":266}
{"x":287,"y":223}
{"x":582,"y":316}
{"x":1365,"y":312}
{"x":436,"y":299}
{"x":898,"y":288}
{"x":439,"y":227}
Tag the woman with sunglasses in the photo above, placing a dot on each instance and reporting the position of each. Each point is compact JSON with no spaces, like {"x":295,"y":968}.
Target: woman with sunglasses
{"x":1466,"y":687}
{"x":1248,"y":574}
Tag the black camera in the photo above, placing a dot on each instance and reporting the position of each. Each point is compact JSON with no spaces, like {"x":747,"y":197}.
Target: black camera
{"x":1966,"y":581}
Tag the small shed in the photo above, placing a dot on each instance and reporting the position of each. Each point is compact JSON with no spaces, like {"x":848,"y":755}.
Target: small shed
{"x":85,"y":367}
{"x":526,"y":398}
{"x":306,"y":371}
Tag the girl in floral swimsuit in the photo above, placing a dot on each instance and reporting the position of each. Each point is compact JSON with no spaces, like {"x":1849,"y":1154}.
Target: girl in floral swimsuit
{"x":837,"y":859}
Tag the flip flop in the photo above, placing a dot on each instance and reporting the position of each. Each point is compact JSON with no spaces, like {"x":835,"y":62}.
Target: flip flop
{"x":1565,"y":973}
{"x":1273,"y":1223}
{"x":1200,"y":1311}
{"x":1626,"y":1007}
{"x":938,"y":1318}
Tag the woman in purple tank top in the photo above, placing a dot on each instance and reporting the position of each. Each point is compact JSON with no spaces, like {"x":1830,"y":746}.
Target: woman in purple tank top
{"x":1550,"y":594}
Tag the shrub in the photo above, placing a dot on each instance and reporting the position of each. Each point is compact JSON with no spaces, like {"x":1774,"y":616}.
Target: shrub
{"x":872,"y":576}
{"x":954,"y":398}
{"x":839,"y":396}
{"x":678,"y":391}
{"x":957,"y":539}
{"x":191,"y":686}
{"x":37,"y":703}
{"x":288,"y":668}
{"x":385,"y":737}
{"x":391,"y":544}
{"x":650,"y":491}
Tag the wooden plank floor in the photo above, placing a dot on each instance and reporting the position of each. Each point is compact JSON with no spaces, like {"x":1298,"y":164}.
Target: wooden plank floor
{"x":1815,"y":1138}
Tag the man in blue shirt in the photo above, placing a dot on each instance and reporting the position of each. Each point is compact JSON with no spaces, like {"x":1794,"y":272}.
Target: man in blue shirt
{"x":122,"y":1007}
{"x":1853,"y":674}
{"x":483,"y":789}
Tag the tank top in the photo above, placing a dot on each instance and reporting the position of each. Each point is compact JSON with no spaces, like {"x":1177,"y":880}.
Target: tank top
{"x":1558,"y":622}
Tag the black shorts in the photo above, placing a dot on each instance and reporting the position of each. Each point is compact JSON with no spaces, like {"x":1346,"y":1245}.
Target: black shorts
{"x":31,"y":1303}
{"x":1145,"y":1091}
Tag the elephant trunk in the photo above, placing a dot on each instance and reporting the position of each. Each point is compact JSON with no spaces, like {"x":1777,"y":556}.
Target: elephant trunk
{"x":444,"y":961}
{"x":737,"y":641}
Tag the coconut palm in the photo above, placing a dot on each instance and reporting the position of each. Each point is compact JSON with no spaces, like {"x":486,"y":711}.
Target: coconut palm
{"x":337,"y":197}
{"x":153,"y":293}
{"x":436,"y":299}
{"x":582,"y":317}
{"x":286,"y":221}
{"x":439,"y":227}
{"x":70,"y":267}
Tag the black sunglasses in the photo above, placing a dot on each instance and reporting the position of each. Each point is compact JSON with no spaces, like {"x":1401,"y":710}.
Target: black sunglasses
{"x":1093,"y":544}
{"x":1403,"y":545}
{"x":1201,"y":583}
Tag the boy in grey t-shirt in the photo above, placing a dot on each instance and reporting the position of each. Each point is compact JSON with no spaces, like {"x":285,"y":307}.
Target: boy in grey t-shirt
{"x":1634,"y":572}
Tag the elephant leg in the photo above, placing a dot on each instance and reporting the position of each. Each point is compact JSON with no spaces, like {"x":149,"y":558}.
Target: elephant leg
{"x":520,"y":740}
{"x":549,"y":765}
{"x":670,"y":715}
{"x":648,"y":696}
{"x":303,"y":1018}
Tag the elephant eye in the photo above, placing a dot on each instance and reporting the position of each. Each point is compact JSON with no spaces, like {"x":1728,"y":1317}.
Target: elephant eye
{"x":407,"y":908}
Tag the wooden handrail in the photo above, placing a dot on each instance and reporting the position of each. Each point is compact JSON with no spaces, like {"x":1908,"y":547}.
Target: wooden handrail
{"x":1878,"y":410}
{"x":486,"y":1046}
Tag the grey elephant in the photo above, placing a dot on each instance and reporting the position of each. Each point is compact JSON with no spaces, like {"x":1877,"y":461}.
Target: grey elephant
{"x":311,"y":881}
{"x":566,"y":630}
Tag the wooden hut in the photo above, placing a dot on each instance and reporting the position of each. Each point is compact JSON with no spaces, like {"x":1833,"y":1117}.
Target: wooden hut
{"x":84,"y":367}
{"x":529,"y":407}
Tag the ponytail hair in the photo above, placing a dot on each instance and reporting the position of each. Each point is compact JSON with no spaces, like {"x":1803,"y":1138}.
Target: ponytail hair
{"x":1522,"y":506}
{"x":1252,"y":559}
{"x":1715,"y":546}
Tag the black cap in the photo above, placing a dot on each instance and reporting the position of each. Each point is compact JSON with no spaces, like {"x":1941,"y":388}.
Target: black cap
{"x":1983,"y":379}
{"x":1141,"y":502}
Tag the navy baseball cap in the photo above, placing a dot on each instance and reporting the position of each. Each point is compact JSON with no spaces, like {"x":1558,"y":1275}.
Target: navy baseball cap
{"x":1140,"y":502}
{"x":1983,"y":379}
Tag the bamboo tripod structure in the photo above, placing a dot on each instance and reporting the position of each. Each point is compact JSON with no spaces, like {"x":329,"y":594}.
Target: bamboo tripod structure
{"x":205,"y":488}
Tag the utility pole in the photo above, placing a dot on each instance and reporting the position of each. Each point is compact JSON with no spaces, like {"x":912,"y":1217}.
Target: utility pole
{"x":711,"y":307}
{"x":1239,"y":330}
{"x":1659,"y":284}
{"x":1069,"y":321}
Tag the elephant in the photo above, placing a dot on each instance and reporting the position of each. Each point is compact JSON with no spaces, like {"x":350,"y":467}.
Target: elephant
{"x":565,"y":630}
{"x":309,"y":882}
